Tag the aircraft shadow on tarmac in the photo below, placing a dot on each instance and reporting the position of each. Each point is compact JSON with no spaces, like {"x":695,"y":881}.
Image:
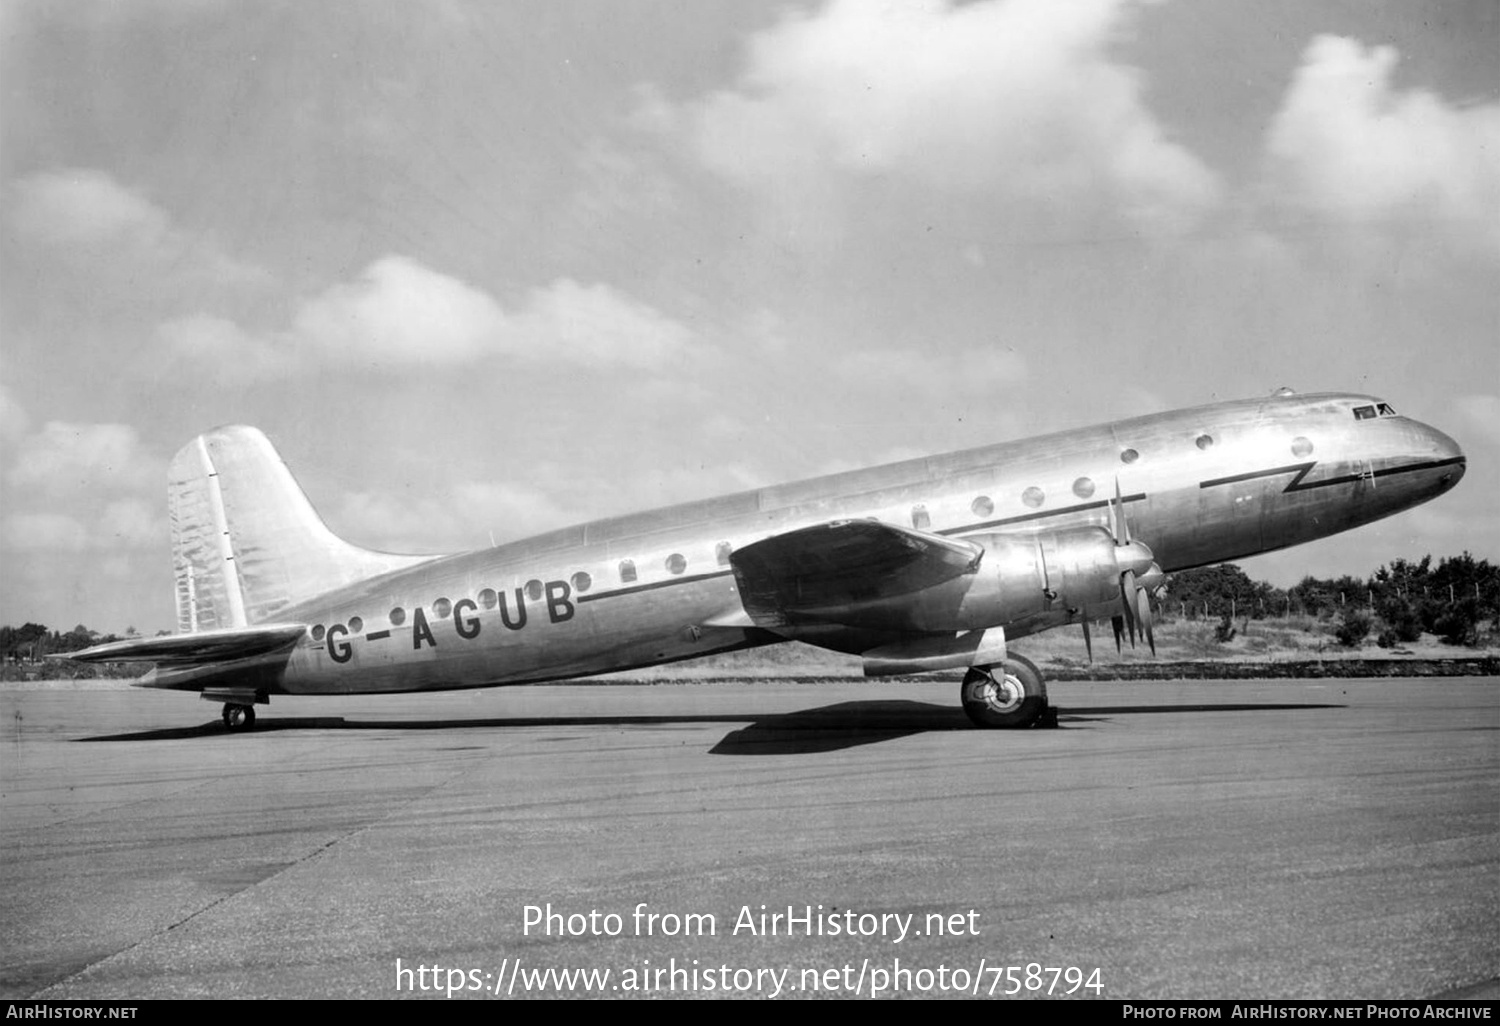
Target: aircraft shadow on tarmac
{"x":808,"y":731}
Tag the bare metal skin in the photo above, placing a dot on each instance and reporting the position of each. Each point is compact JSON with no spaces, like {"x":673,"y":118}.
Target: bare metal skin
{"x":925,"y":564}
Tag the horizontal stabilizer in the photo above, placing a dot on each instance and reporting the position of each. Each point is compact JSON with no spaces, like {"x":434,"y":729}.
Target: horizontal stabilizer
{"x":845,"y":571}
{"x":200,"y":649}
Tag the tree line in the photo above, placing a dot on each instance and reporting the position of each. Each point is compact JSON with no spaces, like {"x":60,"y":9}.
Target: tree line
{"x":35,"y":640}
{"x":1398,"y":602}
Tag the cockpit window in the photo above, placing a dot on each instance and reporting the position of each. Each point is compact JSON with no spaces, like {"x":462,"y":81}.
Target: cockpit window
{"x":1364,"y":413}
{"x":1386,"y":411}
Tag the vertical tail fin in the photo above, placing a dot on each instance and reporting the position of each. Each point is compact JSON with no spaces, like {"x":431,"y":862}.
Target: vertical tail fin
{"x":246,"y":543}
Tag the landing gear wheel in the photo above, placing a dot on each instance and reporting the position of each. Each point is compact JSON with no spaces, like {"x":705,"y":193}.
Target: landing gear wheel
{"x":1012,"y":695}
{"x":238,"y":717}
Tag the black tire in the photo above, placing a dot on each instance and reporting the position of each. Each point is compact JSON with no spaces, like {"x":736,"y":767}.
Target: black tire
{"x":239,"y":717}
{"x":1015,"y":697}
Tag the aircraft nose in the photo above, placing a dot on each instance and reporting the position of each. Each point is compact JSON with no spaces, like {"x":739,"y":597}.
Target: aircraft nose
{"x":1446,"y":454}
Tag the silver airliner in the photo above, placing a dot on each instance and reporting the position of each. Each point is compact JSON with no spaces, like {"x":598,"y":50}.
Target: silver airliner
{"x":927,"y":564}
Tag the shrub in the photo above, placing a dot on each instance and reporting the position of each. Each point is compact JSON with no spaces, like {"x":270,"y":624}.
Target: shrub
{"x":1352,"y":628}
{"x":1401,"y":619}
{"x":1224,"y":632}
{"x":1458,"y":623}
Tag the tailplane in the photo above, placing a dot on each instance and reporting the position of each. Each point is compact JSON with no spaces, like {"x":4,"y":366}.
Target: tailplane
{"x":246,"y":543}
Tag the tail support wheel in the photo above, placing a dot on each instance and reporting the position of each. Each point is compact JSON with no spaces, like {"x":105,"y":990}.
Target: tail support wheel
{"x":238,"y":717}
{"x":1012,"y":694}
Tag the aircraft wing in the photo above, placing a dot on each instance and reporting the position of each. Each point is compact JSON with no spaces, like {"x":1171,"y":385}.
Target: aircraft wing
{"x":202,"y":648}
{"x":845,"y":572}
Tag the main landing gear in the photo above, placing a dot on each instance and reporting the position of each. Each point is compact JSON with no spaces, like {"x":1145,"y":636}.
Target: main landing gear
{"x":239,"y":705}
{"x":1012,"y":694}
{"x":238,"y":717}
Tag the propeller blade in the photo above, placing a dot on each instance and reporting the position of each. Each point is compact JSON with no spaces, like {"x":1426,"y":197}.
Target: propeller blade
{"x":1122,"y":528}
{"x":1128,"y":591}
{"x":1143,"y":611}
{"x":1118,"y":623}
{"x":1088,"y":642}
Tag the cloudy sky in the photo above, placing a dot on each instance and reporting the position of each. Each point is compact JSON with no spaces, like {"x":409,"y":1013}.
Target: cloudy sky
{"x":484,"y":269}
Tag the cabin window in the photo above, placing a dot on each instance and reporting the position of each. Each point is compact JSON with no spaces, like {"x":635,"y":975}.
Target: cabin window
{"x":1301,"y":446}
{"x":398,"y":616}
{"x":441,"y":608}
{"x":627,"y":571}
{"x":356,"y":625}
{"x":1033,"y":497}
{"x":676,"y":563}
{"x":982,"y":506}
{"x":487,"y":598}
{"x":919,"y":518}
{"x":1129,"y":456}
{"x":1364,"y":413}
{"x":1083,"y":488}
{"x":582,"y":581}
{"x":317,"y":633}
{"x":534,"y":590}
{"x":1204,"y":441}
{"x":722,"y":551}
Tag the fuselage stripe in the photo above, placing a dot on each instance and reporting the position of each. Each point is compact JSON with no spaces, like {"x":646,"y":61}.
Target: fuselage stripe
{"x":1024,"y":517}
{"x":1301,"y":470}
{"x":653,"y":586}
{"x":1298,"y":486}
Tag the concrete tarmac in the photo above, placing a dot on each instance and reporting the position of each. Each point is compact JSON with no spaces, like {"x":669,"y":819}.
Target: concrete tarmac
{"x":1304,"y":839}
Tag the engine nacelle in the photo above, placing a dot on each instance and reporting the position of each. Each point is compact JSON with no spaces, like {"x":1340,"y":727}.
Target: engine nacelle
{"x":1022,"y":576}
{"x":1059,"y":575}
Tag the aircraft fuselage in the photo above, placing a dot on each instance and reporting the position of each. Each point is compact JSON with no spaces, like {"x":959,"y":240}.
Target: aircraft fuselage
{"x":1199,"y":486}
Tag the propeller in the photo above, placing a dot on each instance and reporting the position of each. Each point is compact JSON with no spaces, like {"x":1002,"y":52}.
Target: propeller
{"x":1127,"y":602}
{"x":1143,"y":613}
{"x":1139,"y":576}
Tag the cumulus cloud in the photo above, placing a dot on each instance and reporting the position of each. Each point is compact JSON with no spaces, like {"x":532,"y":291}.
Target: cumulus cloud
{"x":595,"y":325}
{"x":84,"y":207}
{"x":69,"y":457}
{"x":1346,"y":144}
{"x":85,"y":213}
{"x":83,"y":476}
{"x":220,"y":343}
{"x":401,"y":313}
{"x":1015,"y":100}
